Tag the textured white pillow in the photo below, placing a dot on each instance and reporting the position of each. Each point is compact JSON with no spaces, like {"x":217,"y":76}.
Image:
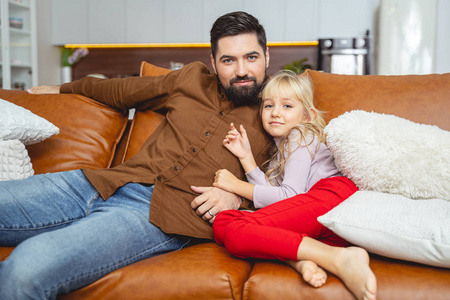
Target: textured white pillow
{"x":389,"y":154}
{"x":394,"y":226}
{"x":19,"y":123}
{"x":14,"y":161}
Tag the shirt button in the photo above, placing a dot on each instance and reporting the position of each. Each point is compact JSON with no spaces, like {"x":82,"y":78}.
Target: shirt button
{"x":159,"y":178}
{"x":194,"y":150}
{"x":175,"y":168}
{"x":207,"y":133}
{"x":221,"y":113}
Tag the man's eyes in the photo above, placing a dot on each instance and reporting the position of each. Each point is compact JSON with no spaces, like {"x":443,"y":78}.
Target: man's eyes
{"x":231,"y":60}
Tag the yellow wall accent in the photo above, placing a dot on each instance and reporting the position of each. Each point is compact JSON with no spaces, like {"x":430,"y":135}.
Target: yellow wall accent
{"x":180,"y":45}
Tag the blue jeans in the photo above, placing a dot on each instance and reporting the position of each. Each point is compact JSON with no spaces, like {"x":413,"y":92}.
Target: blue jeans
{"x":68,"y":237}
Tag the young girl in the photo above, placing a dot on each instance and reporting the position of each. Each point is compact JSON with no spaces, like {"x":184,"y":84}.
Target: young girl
{"x":302,"y":173}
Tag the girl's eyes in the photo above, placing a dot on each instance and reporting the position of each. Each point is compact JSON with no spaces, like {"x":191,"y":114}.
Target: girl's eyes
{"x":284,"y":106}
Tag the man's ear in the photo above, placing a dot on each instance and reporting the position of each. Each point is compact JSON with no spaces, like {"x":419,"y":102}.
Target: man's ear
{"x":267,"y":57}
{"x":213,"y":63}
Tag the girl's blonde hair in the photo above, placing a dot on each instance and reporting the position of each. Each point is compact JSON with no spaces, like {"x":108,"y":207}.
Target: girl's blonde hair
{"x":287,"y":84}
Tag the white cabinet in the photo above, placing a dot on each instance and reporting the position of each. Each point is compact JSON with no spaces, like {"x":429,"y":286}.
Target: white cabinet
{"x":18,"y":58}
{"x":181,"y":21}
{"x":89,"y":21}
{"x":144,"y":21}
{"x":70,"y":21}
{"x":106,"y":21}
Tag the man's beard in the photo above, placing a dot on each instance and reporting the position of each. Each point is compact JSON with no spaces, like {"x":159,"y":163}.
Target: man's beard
{"x":243,"y":95}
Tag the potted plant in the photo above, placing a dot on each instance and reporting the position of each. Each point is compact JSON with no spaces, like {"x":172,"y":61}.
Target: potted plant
{"x":298,"y":66}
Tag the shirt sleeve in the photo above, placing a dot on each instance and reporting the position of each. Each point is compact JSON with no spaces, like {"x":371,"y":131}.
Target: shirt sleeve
{"x":294,"y":181}
{"x":132,"y":92}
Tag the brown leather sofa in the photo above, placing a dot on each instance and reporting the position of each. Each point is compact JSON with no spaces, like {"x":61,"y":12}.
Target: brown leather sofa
{"x":95,"y":136}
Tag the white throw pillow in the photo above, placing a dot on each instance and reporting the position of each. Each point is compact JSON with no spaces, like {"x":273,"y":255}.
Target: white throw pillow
{"x":394,"y":226}
{"x":14,"y":161}
{"x":19,"y":123}
{"x":389,"y":154}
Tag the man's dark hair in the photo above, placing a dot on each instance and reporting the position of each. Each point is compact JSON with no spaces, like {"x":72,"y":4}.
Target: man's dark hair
{"x":233,"y":24}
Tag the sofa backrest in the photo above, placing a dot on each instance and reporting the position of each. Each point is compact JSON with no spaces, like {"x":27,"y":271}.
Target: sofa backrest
{"x":419,"y":98}
{"x":93,"y":135}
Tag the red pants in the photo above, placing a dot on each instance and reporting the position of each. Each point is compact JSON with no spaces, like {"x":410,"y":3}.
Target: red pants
{"x":276,"y":231}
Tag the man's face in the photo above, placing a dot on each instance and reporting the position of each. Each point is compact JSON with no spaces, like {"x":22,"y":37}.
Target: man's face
{"x":241,"y":67}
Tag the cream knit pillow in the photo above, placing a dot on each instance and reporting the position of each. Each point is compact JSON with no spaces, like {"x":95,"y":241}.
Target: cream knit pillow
{"x":18,"y":123}
{"x":389,"y":154}
{"x":14,"y":161}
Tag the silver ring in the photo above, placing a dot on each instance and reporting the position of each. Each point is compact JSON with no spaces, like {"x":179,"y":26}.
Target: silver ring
{"x":210,"y":213}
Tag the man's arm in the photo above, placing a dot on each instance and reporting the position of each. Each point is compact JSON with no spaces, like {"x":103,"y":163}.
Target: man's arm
{"x":123,"y":94}
{"x":213,"y":200}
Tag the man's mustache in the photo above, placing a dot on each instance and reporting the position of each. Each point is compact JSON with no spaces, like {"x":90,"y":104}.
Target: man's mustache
{"x":239,"y":78}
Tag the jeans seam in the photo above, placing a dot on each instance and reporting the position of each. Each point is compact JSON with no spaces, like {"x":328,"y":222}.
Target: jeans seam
{"x":116,"y":265}
{"x":41,"y":226}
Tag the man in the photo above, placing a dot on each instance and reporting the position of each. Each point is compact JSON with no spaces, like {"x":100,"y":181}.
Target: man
{"x":72,"y":228}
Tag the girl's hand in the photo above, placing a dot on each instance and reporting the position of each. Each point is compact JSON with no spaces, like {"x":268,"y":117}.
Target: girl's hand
{"x":225,"y":180}
{"x":237,"y":142}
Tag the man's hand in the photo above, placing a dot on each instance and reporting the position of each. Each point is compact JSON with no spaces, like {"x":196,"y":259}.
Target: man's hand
{"x":212,"y":201}
{"x":44,"y":89}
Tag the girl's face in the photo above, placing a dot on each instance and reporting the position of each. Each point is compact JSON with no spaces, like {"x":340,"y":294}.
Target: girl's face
{"x":280,"y":115}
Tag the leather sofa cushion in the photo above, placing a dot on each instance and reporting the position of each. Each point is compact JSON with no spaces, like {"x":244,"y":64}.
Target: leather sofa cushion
{"x":395,"y":280}
{"x":418,"y":98}
{"x":144,"y":122}
{"x":89,"y":131}
{"x":203,"y":271}
{"x":5,"y":252}
{"x":147,"y":69}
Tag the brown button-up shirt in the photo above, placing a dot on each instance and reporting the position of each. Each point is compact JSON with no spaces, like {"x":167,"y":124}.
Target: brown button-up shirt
{"x":186,"y":149}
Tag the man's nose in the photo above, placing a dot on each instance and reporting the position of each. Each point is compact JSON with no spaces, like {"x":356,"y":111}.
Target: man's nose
{"x":241,"y":69}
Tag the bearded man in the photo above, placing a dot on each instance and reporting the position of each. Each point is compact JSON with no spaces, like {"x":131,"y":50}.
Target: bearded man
{"x":72,"y":228}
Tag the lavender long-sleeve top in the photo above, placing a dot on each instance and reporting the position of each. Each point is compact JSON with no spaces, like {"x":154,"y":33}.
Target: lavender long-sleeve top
{"x":302,"y":170}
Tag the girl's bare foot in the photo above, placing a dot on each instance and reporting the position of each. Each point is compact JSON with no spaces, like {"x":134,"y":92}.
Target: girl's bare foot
{"x":354,"y":270}
{"x":310,"y":271}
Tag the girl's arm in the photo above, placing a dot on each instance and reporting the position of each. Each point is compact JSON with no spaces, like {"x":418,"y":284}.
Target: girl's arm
{"x":238,"y":144}
{"x":225,"y":180}
{"x":296,"y":172}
